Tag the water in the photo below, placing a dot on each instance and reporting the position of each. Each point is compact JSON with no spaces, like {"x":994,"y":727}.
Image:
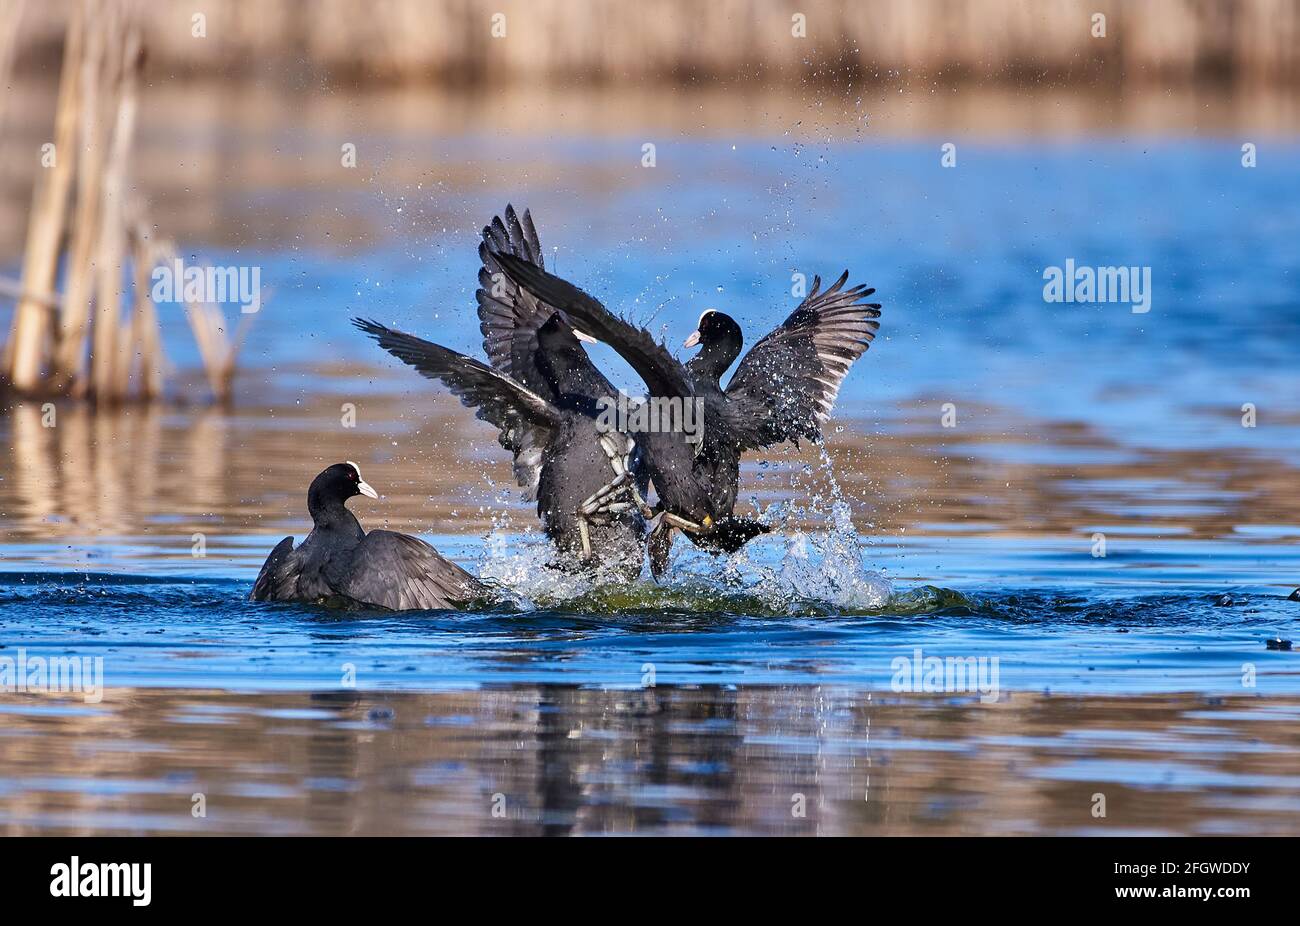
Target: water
{"x":558,"y":759}
{"x":705,"y":704}
{"x":189,"y":633}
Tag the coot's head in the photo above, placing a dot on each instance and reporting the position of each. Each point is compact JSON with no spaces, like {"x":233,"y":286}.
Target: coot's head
{"x":719,"y":338}
{"x":336,"y":484}
{"x":558,"y":334}
{"x":559,"y":355}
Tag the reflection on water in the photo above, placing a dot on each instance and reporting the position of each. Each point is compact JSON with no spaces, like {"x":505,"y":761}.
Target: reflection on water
{"x":159,"y":475}
{"x":168,"y":472}
{"x":547,"y":759}
{"x":1071,"y":422}
{"x":256,"y":165}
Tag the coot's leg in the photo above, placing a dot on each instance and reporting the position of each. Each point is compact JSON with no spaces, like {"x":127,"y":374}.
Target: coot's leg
{"x":641,"y":505}
{"x":659,"y":545}
{"x":599,"y":501}
{"x":620,"y":458}
{"x":684,"y":524}
{"x":618,"y":449}
{"x":602,"y":505}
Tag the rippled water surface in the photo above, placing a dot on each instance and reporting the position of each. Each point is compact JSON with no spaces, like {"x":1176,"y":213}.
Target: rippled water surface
{"x":558,"y":759}
{"x":1097,"y":531}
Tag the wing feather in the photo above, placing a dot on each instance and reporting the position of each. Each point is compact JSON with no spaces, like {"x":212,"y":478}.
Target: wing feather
{"x":786,"y":386}
{"x":509,"y":315}
{"x":663,"y":373}
{"x":403,"y":573}
{"x":278,"y":578}
{"x":524,"y":419}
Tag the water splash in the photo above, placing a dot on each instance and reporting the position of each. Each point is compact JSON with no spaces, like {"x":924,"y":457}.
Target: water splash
{"x":828,"y":566}
{"x":527,"y":566}
{"x":800,"y":572}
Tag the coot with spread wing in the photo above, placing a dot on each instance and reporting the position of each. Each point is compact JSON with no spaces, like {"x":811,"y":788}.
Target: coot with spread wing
{"x":339,"y":563}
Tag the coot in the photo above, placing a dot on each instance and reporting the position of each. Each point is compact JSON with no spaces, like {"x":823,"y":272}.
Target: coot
{"x":588,"y":480}
{"x":783,"y":389}
{"x":339,"y":563}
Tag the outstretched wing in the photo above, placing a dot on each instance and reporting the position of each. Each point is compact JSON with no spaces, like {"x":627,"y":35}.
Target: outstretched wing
{"x":663,"y":373}
{"x":278,"y":580}
{"x":509,"y":316}
{"x":785,"y":387}
{"x":403,"y":573}
{"x":525,"y":419}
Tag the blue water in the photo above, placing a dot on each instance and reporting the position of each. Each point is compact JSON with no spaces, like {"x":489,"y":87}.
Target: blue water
{"x":1132,"y":419}
{"x":1140,"y":624}
{"x":956,"y":254}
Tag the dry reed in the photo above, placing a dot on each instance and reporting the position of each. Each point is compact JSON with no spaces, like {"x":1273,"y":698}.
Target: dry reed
{"x":83,"y":342}
{"x":1253,"y":41}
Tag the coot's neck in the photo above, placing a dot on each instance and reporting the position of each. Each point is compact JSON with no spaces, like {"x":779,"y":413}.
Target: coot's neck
{"x":329,"y":513}
{"x":564,"y":373}
{"x":714,"y":359}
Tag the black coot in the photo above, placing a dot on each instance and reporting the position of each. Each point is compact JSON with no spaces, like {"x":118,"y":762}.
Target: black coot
{"x":577,"y":478}
{"x":588,"y":480}
{"x":339,"y":563}
{"x":783,"y":389}
{"x":512,"y":319}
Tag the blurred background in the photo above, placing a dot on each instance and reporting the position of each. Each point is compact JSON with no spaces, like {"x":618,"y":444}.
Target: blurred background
{"x":675,"y":156}
{"x":256,"y":102}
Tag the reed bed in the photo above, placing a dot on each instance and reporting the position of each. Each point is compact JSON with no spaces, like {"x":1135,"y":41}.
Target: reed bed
{"x":93,"y":331}
{"x":687,"y":40}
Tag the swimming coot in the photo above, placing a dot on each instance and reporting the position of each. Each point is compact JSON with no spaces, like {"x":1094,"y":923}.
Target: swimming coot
{"x":339,"y":563}
{"x":783,"y":389}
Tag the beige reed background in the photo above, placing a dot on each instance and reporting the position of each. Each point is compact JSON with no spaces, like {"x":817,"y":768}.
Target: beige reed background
{"x":1252,"y":41}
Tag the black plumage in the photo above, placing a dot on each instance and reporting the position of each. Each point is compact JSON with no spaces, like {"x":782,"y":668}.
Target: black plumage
{"x":558,"y":457}
{"x":509,"y":316}
{"x":783,"y":389}
{"x":559,"y":446}
{"x":339,"y":563}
